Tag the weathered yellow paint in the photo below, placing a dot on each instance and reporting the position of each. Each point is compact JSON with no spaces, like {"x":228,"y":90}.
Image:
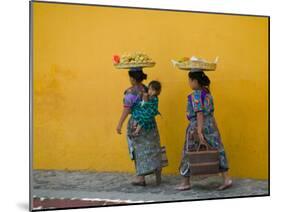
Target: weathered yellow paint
{"x":78,"y":94}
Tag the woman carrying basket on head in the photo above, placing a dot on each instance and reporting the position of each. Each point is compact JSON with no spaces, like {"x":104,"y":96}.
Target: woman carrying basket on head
{"x":144,"y":148}
{"x":202,"y":128}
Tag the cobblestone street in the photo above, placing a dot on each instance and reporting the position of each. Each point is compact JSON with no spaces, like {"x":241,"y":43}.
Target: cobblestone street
{"x":116,"y":187}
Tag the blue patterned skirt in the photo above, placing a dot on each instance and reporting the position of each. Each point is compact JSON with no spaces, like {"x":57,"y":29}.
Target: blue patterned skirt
{"x":144,"y":149}
{"x":213,"y":138}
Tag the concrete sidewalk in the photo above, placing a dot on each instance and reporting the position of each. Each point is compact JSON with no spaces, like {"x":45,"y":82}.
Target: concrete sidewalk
{"x":116,"y":186}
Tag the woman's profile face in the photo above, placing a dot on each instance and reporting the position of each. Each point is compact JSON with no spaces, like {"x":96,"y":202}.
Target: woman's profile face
{"x":193,"y":83}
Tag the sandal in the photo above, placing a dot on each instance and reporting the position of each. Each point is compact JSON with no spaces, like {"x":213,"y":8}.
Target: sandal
{"x":225,"y":185}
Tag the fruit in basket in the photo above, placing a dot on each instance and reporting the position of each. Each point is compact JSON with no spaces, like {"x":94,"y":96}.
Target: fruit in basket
{"x":116,"y":59}
{"x":135,"y":58}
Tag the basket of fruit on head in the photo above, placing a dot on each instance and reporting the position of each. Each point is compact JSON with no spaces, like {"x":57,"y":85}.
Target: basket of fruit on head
{"x":137,"y":59}
{"x":187,"y":63}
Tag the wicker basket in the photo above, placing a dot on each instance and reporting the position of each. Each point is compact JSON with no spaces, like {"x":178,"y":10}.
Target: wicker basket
{"x":187,"y":65}
{"x":204,"y":162}
{"x":133,"y":65}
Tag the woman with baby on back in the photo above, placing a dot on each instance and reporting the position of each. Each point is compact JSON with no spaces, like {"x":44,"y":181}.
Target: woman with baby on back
{"x":142,"y":132}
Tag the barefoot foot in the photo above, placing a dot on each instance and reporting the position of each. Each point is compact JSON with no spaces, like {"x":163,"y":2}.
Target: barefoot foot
{"x":183,"y":187}
{"x":227,"y":184}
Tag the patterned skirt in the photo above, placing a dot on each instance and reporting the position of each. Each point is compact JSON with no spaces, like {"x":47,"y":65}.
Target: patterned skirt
{"x":144,"y":149}
{"x":212,"y":137}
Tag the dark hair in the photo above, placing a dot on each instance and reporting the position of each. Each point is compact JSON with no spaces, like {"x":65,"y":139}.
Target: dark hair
{"x":138,"y":75}
{"x":201,"y":78}
{"x":155,"y":85}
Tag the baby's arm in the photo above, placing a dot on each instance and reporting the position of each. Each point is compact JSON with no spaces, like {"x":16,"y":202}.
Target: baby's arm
{"x":145,"y":97}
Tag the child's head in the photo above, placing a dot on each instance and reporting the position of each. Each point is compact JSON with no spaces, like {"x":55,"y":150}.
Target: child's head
{"x":198,"y":80}
{"x":154,"y":88}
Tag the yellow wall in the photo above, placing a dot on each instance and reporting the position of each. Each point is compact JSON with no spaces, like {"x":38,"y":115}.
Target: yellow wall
{"x":78,"y":94}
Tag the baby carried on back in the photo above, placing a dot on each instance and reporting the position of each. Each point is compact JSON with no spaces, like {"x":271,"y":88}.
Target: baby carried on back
{"x":147,"y":109}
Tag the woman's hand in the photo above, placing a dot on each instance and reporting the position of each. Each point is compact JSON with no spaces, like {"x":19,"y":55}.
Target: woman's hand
{"x":118,"y":128}
{"x":201,"y":138}
{"x":125,"y":113}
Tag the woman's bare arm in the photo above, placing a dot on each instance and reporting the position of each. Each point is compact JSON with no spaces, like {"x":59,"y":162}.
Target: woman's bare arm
{"x":126,"y":111}
{"x":200,"y":122}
